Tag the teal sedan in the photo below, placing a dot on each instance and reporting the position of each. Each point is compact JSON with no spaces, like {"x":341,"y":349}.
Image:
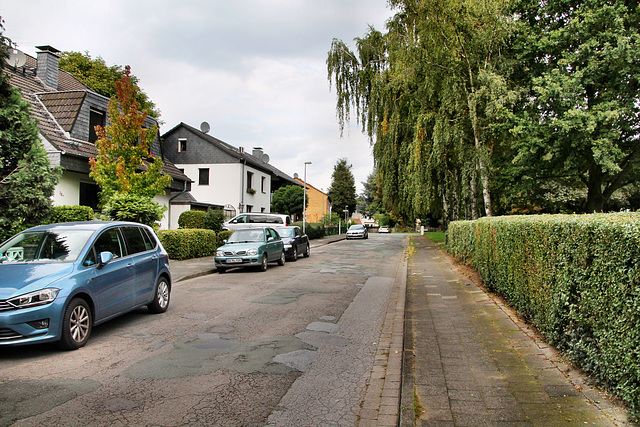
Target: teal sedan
{"x":250,"y":247}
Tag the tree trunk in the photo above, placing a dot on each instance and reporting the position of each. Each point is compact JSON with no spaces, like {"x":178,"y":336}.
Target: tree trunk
{"x":481,"y":163}
{"x":474,"y":196}
{"x":595,"y":198}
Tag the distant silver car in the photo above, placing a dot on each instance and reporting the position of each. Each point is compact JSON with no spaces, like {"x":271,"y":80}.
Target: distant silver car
{"x":383,"y":230}
{"x":357,"y":231}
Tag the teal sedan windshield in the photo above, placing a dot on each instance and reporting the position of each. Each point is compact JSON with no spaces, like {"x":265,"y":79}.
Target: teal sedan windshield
{"x":246,"y":236}
{"x":45,"y":246}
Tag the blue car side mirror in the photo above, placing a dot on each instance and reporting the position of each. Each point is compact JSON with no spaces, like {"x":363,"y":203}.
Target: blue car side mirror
{"x":105,"y":258}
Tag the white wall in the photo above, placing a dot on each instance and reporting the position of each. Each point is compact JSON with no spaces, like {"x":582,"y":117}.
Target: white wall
{"x":227,"y":185}
{"x":67,"y":190}
{"x":164,"y":201}
{"x":176,"y":210}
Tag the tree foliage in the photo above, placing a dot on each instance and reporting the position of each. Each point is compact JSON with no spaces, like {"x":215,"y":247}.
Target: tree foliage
{"x":125,"y":163}
{"x":578,"y":122}
{"x":128,"y":174}
{"x":288,"y":200}
{"x":370,"y":200}
{"x":27,"y":180}
{"x":95,"y":73}
{"x":343,"y":188}
{"x":429,"y":93}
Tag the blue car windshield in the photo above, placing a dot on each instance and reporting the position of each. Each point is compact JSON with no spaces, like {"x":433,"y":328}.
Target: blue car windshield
{"x":44,"y":246}
{"x":246,"y":236}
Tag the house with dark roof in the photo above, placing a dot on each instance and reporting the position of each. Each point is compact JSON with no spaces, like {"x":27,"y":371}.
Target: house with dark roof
{"x":221,"y":173}
{"x":67,"y":111}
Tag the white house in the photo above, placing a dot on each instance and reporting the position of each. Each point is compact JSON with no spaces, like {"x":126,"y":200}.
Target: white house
{"x":222,"y":175}
{"x":67,"y":112}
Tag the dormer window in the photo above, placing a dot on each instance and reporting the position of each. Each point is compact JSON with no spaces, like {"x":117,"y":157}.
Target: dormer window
{"x":182,"y":145}
{"x":96,"y":118}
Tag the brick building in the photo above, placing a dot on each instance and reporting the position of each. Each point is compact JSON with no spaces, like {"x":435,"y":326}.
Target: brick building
{"x":319,"y":203}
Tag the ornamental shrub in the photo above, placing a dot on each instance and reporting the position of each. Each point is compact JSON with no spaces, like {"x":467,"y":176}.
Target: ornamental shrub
{"x":71,"y":214}
{"x":192,"y":219}
{"x":135,"y":208}
{"x":188,"y":243}
{"x":576,"y":278}
{"x":213,"y":219}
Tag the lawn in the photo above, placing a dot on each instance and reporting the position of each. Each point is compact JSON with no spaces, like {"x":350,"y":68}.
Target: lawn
{"x":436,"y":236}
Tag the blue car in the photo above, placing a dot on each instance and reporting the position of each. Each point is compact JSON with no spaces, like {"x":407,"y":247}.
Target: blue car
{"x":57,"y":281}
{"x":250,"y":247}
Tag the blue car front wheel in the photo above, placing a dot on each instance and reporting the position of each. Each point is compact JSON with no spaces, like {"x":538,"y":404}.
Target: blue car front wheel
{"x":76,"y":325}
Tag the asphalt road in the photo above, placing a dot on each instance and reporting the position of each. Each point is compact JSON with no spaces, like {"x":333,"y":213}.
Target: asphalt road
{"x":290,"y":346}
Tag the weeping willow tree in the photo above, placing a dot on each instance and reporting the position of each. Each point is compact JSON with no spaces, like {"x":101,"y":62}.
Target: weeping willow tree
{"x":429,"y":93}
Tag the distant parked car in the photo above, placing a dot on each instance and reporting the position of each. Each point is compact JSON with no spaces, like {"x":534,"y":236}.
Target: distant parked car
{"x":250,"y":247}
{"x":357,"y":231}
{"x":295,"y":243}
{"x":257,"y":220}
{"x":383,"y":230}
{"x":58,"y":281}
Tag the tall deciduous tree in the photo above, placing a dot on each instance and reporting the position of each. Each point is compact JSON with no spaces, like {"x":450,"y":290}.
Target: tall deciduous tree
{"x":125,"y":164}
{"x":343,"y":187}
{"x":27,"y":180}
{"x":579,"y":121}
{"x":288,"y":200}
{"x":429,"y":93}
{"x":95,"y":73}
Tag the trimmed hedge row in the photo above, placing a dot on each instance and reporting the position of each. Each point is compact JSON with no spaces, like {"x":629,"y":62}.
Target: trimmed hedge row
{"x":191,"y":242}
{"x":576,"y":278}
{"x":314,"y":230}
{"x":71,"y":214}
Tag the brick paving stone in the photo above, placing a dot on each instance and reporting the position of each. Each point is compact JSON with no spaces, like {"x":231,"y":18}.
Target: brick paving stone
{"x":474,"y":363}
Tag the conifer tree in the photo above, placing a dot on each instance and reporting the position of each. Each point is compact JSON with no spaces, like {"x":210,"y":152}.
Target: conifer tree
{"x":27,"y":180}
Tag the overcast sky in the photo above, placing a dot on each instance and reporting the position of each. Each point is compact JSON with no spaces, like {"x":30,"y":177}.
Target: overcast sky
{"x":254,"y":70}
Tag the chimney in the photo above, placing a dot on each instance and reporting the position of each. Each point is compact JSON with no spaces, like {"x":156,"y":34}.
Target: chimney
{"x":47,"y":69}
{"x":257,"y":152}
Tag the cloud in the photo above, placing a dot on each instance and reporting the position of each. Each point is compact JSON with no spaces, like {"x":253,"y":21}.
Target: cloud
{"x":253,"y":69}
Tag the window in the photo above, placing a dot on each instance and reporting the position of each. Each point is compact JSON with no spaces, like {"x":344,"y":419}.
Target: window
{"x":249,"y":180}
{"x":89,"y":195}
{"x":109,"y":241}
{"x":96,"y":118}
{"x":203,"y":176}
{"x":249,"y":208}
{"x":135,"y":240}
{"x":182,"y":145}
{"x":263,"y":185}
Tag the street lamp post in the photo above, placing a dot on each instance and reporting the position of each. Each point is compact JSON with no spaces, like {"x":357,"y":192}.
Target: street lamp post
{"x":346,"y":212}
{"x":304,"y":200}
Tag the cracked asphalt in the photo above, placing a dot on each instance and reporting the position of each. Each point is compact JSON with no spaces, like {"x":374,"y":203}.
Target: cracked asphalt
{"x":291,"y":346}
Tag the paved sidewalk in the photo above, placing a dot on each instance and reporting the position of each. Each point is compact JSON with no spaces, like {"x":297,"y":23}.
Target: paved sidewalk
{"x":468,"y":361}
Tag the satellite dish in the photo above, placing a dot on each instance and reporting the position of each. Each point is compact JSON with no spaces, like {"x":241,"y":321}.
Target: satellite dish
{"x":204,"y":127}
{"x":265,"y":158}
{"x":16,"y":58}
{"x":295,"y":175}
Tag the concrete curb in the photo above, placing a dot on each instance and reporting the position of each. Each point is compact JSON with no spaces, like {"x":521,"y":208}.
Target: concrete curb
{"x":381,"y":404}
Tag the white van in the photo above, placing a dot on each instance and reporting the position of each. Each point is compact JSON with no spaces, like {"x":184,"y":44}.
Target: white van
{"x":252,"y":220}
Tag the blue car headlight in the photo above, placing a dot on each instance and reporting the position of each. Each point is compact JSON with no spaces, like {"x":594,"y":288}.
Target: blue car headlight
{"x":32,"y":299}
{"x":252,"y":252}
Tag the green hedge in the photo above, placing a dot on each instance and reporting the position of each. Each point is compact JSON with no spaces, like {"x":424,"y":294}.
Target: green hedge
{"x":192,"y":219}
{"x":576,"y":278}
{"x":313,"y":230}
{"x":189,"y":243}
{"x":71,"y":214}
